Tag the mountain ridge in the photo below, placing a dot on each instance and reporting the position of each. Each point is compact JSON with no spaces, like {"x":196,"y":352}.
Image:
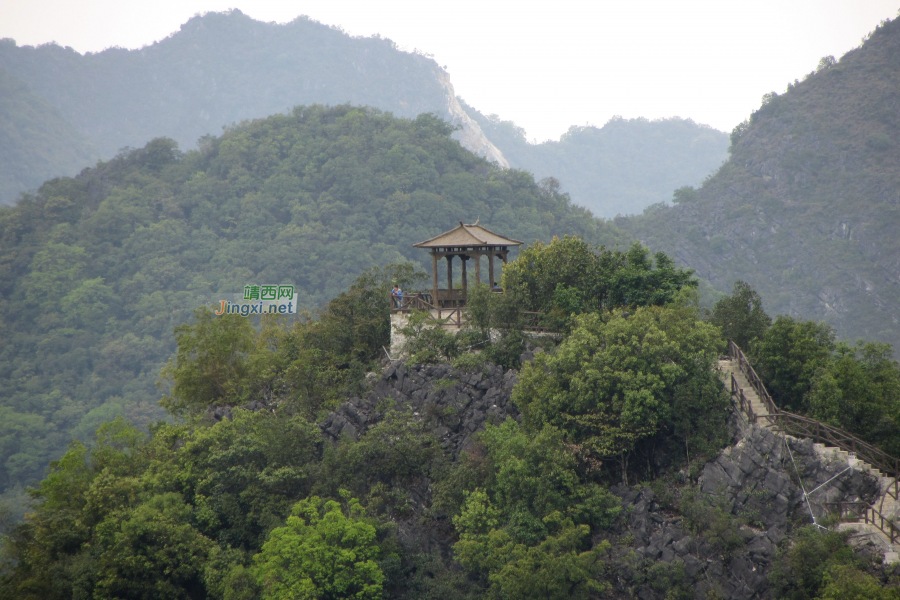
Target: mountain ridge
{"x":620,"y":168}
{"x":807,"y":209}
{"x":224,"y":68}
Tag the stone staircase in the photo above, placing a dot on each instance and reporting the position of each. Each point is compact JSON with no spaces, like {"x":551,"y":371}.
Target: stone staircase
{"x":730,"y":367}
{"x":887,"y":506}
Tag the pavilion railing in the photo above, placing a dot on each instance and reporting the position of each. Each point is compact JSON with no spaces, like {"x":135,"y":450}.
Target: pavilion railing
{"x":800,"y":426}
{"x":420,"y":301}
{"x":533,"y":322}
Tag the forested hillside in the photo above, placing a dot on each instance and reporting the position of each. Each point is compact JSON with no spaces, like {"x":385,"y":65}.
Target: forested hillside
{"x":36,"y":142}
{"x":807,"y":209}
{"x":96,"y":271}
{"x":620,"y":168}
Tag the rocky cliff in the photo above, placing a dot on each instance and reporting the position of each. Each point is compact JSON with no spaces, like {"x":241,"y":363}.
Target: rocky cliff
{"x":453,"y":405}
{"x":716,"y":536}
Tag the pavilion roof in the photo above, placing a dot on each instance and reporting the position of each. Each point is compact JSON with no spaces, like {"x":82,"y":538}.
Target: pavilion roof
{"x":473,"y":235}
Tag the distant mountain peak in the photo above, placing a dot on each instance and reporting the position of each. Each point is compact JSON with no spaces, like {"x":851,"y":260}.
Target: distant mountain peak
{"x":225,"y":67}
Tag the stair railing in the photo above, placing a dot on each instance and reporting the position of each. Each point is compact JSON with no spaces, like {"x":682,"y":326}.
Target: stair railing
{"x":850,"y":512}
{"x":752,"y":377}
{"x":746,"y":406}
{"x":800,"y":426}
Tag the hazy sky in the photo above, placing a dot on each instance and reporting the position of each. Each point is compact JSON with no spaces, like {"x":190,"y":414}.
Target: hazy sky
{"x":544,"y":65}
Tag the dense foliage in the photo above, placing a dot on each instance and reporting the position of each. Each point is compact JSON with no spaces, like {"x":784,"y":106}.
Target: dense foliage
{"x":805,"y":210}
{"x":741,"y":316}
{"x":856,"y":388}
{"x":821,"y":565}
{"x":321,"y":553}
{"x":97,"y":271}
{"x":808,"y":371}
{"x":549,"y":285}
{"x":570,"y":276}
{"x":237,"y":503}
{"x":622,"y":167}
{"x":619,"y":384}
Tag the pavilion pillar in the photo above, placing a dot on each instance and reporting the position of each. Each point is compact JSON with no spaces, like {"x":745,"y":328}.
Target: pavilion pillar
{"x":491,"y":269}
{"x":478,"y":268}
{"x":434,"y":285}
{"x":449,"y":271}
{"x":465,"y":284}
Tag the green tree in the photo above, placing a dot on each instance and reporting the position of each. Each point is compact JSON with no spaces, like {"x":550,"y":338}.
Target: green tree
{"x":561,"y":565}
{"x":54,"y":272}
{"x":494,"y":325}
{"x":571,"y":275}
{"x":89,"y":305}
{"x":741,"y":316}
{"x":210,"y":363}
{"x":322,"y":552}
{"x":559,"y":568}
{"x":641,"y":283}
{"x":151,"y":552}
{"x":685,"y":195}
{"x":859,"y":390}
{"x":788,"y":357}
{"x":620,"y":379}
{"x":800,"y":569}
{"x":570,"y":262}
{"x":533,"y":476}
{"x":843,"y":582}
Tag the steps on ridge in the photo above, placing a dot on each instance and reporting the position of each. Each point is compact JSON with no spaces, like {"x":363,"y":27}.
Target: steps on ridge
{"x":890,"y":507}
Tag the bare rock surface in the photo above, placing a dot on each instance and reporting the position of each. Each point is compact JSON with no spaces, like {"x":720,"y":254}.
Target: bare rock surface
{"x":756,"y":482}
{"x":454,"y":405}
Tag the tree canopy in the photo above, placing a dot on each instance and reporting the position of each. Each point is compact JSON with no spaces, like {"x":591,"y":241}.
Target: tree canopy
{"x":618,"y":380}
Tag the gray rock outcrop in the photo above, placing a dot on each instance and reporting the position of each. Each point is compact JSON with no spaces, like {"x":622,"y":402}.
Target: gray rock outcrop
{"x":752,"y":492}
{"x":746,"y":502}
{"x":454,"y":405}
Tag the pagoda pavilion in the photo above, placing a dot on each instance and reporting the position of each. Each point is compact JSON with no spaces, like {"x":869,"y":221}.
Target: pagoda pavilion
{"x":464,"y":242}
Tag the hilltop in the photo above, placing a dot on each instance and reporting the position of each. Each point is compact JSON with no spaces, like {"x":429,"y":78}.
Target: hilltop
{"x":295,"y":473}
{"x":96,"y":271}
{"x":807,"y":208}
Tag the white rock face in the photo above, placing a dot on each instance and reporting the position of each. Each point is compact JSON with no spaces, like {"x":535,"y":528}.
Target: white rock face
{"x":471,"y":137}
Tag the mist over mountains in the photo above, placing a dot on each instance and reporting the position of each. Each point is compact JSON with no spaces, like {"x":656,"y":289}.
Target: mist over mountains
{"x":223,"y":68}
{"x":36,"y":141}
{"x":604,"y":459}
{"x":620,"y":168}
